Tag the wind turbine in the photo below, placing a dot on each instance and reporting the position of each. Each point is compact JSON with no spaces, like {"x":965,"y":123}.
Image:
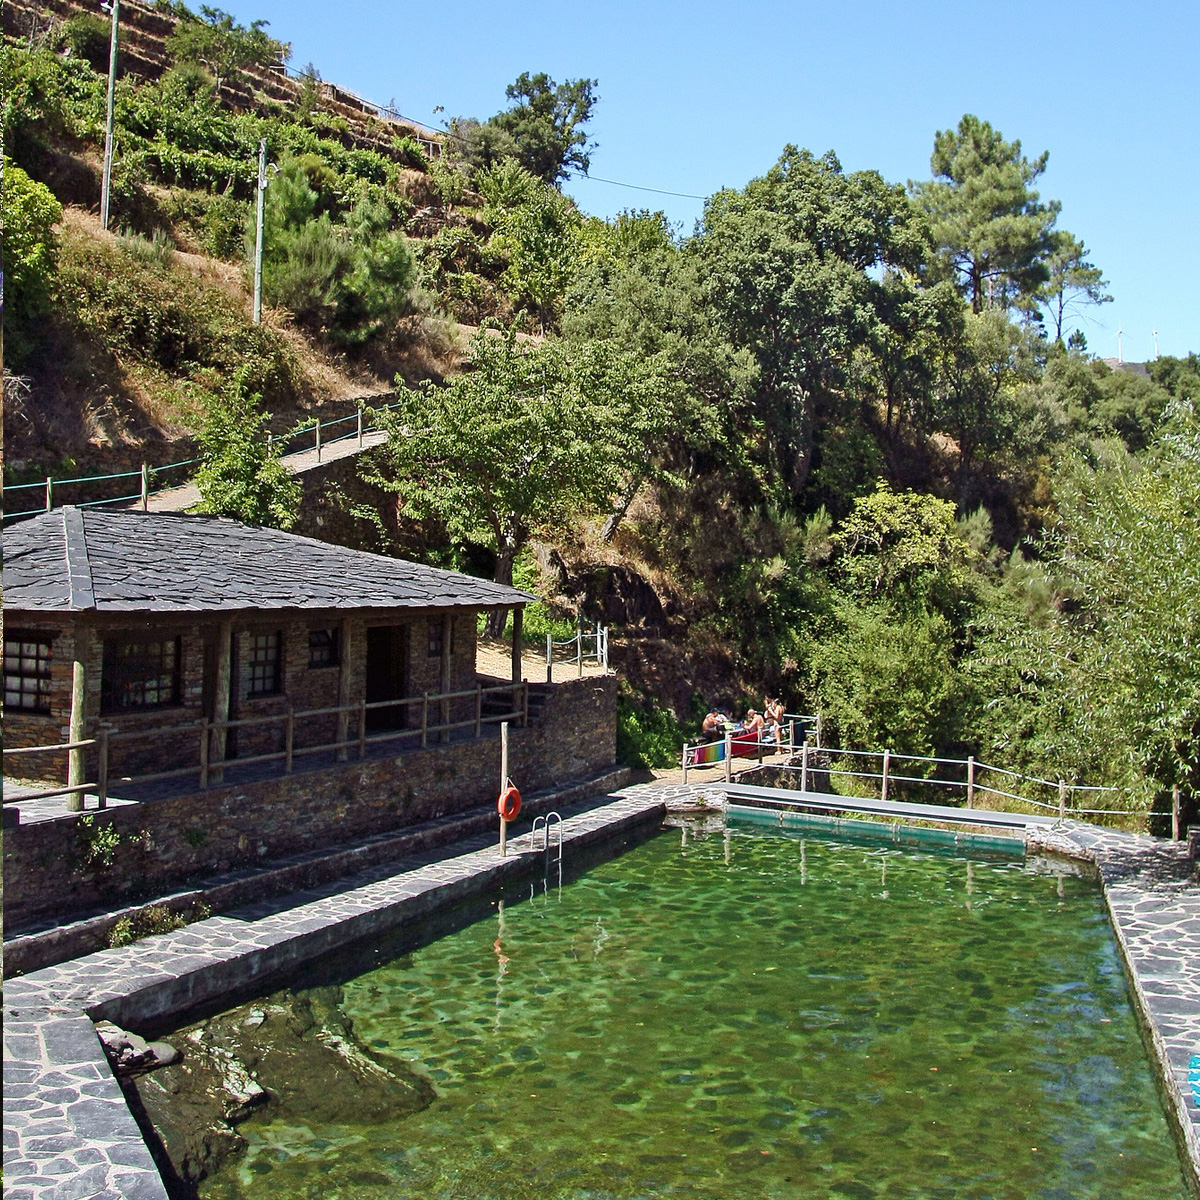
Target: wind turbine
{"x":1120,"y":353}
{"x":1156,"y":345}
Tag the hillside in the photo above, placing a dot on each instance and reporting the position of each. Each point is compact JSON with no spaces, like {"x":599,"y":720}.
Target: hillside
{"x":832,"y":445}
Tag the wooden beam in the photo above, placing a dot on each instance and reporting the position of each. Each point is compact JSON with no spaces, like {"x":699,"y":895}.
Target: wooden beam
{"x":344,"y":676}
{"x":77,"y":759}
{"x":221,"y":699}
{"x":518,"y":635}
{"x":447,"y":662}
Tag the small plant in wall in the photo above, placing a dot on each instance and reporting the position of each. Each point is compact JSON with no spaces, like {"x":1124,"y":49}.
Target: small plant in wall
{"x":155,"y":918}
{"x":98,"y":843}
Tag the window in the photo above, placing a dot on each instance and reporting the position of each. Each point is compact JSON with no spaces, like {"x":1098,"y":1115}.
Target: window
{"x":323,"y":648}
{"x":262,"y":668}
{"x":140,"y":674}
{"x":27,"y":672}
{"x":435,"y":638}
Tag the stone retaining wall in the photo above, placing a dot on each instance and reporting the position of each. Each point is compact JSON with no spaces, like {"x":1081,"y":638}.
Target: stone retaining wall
{"x":59,"y":867}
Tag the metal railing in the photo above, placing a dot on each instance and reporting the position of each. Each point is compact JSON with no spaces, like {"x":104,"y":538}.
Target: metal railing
{"x":311,"y":432}
{"x":582,"y":648}
{"x":740,"y":743}
{"x":977,"y":778}
{"x":211,"y":762}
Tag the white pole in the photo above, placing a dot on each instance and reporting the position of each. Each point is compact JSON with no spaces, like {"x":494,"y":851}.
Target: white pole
{"x":106,"y":181}
{"x":683,"y":761}
{"x":971,"y":781}
{"x":887,"y":762}
{"x":258,"y":232}
{"x":804,"y":767}
{"x":503,"y":784}
{"x":728,"y":757}
{"x":549,"y":658}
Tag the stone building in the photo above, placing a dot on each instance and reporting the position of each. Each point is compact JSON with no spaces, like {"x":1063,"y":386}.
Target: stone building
{"x":178,"y":639}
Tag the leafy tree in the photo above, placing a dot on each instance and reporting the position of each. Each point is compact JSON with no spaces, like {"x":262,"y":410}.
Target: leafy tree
{"x":28,"y":214}
{"x":536,"y":235}
{"x":222,"y":45}
{"x":790,"y":268}
{"x":546,"y":124}
{"x":241,"y":476}
{"x":1072,"y":281}
{"x":531,"y":438}
{"x":992,"y":231}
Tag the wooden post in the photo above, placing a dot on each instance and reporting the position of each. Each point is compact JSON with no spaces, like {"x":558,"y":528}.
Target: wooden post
{"x":318,"y":439}
{"x":289,"y":738}
{"x":362,"y":729}
{"x":1175,"y":813}
{"x":683,"y":762}
{"x":525,"y":705}
{"x":145,"y":488}
{"x":360,"y":428}
{"x":1062,"y":799}
{"x":478,"y":709}
{"x":102,"y":770}
{"x":579,"y":645}
{"x":222,"y":698}
{"x":344,"y":676}
{"x":204,"y":736}
{"x":447,"y":634}
{"x":971,"y":781}
{"x":518,"y":636}
{"x":549,"y":658}
{"x":804,"y":767}
{"x":504,"y":784}
{"x":424,"y":720}
{"x":77,"y":759}
{"x":887,"y":762}
{"x":728,"y":757}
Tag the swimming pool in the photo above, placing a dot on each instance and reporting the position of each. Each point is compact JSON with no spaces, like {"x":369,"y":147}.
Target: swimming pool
{"x":754,"y":1014}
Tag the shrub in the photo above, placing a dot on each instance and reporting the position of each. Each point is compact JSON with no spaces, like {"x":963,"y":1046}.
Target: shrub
{"x":646,"y":736}
{"x":29,"y":212}
{"x":87,"y":35}
{"x":155,"y":918}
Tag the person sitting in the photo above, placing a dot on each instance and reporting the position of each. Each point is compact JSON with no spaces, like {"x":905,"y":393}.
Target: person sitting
{"x":753,"y":724}
{"x":714,"y":724}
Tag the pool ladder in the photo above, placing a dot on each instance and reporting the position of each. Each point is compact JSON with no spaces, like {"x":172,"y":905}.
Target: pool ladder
{"x":545,"y":824}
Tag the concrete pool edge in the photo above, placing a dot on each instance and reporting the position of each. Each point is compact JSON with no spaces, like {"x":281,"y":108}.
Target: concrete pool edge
{"x":69,"y":1134}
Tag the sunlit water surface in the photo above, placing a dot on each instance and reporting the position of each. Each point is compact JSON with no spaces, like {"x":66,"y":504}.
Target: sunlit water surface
{"x":754,"y":1016}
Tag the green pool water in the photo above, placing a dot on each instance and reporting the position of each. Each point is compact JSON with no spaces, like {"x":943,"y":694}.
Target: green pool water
{"x":754,"y":1015}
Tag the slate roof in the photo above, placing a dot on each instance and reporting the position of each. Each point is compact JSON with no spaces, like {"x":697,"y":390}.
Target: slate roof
{"x":76,"y":560}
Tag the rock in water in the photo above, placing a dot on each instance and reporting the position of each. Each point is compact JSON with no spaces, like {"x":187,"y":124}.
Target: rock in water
{"x":292,"y":1055}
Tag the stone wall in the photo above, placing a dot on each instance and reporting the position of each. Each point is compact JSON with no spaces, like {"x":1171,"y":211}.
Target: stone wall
{"x":65,"y":866}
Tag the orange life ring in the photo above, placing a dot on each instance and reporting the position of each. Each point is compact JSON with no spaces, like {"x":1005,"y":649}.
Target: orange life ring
{"x":509,"y":804}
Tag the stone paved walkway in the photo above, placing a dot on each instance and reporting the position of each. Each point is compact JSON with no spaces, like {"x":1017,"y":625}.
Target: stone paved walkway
{"x":70,"y":1136}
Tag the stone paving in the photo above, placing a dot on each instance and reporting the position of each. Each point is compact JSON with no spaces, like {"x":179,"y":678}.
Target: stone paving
{"x":70,"y":1136}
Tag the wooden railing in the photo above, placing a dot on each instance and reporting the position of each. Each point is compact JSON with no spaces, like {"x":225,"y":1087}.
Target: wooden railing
{"x":211,"y":762}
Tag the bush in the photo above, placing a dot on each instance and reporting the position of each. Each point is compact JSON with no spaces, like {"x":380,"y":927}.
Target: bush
{"x":646,"y":736}
{"x":88,"y":36}
{"x":155,"y":918}
{"x":29,"y":212}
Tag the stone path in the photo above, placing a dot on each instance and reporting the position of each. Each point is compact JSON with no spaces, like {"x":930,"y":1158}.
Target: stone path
{"x":70,"y":1136}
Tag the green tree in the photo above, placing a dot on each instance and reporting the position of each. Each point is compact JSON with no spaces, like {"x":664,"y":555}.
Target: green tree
{"x":991,"y":229}
{"x":546,"y":124}
{"x":225,"y":47}
{"x":28,"y":214}
{"x":530,"y":439}
{"x":1072,"y":281}
{"x":241,"y":476}
{"x":791,"y":269}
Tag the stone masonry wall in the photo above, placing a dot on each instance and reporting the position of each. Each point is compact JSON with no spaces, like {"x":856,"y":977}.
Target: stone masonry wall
{"x":65,"y":866}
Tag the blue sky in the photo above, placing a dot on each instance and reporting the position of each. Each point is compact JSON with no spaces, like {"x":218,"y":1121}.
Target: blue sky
{"x":697,"y":97}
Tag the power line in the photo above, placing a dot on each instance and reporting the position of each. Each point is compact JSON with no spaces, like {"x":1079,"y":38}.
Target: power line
{"x":637,"y":187}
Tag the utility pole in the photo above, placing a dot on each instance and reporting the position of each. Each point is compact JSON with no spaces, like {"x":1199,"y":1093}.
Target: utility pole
{"x":258,"y":234}
{"x":106,"y":184}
